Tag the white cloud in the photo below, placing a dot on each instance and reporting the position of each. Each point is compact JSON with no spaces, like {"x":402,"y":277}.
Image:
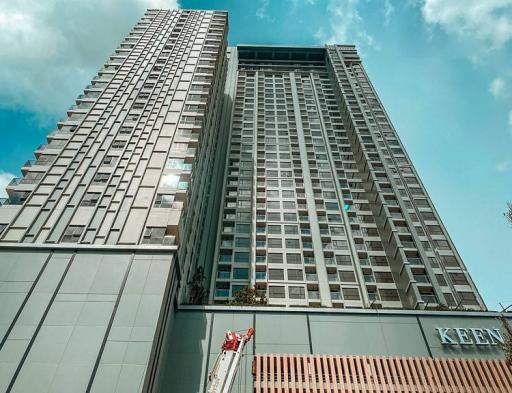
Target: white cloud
{"x":487,"y":21}
{"x":497,"y":87}
{"x":345,"y":26}
{"x":5,"y":178}
{"x":261,"y":12}
{"x":503,"y":166}
{"x":389,"y":9}
{"x":51,"y":49}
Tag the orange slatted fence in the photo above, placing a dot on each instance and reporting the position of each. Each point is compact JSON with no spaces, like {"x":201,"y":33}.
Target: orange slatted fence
{"x":372,"y":374}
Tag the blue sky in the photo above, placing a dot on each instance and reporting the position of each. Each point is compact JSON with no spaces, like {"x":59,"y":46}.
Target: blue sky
{"x":442,"y":68}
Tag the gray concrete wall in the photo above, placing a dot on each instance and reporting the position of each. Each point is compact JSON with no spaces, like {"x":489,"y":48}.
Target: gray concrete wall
{"x":73,"y":320}
{"x":198,"y":332}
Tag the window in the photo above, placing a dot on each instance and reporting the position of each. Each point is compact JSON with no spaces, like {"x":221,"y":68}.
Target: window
{"x":442,"y":244}
{"x":292,"y":243}
{"x":331,"y":206}
{"x":347,"y":276}
{"x":468,"y":298}
{"x":290,"y":216}
{"x":242,"y":242}
{"x":273,"y":205}
{"x":293,"y":259}
{"x":72,"y":234}
{"x":296,"y":292}
{"x":441,"y":280}
{"x":169,"y":181}
{"x":459,"y":279}
{"x":390,"y":295}
{"x":241,"y":257}
{"x":240,"y":273}
{"x":337,"y":231}
{"x":101,"y":178}
{"x":275,"y":257}
{"x":340,"y":244}
{"x":275,"y":274}
{"x":275,"y":243}
{"x":383,"y":277}
{"x":164,"y":200}
{"x":291,"y":229}
{"x":153,"y":235}
{"x":118,"y":145}
{"x":109,"y":161}
{"x":274,"y":216}
{"x":276,"y":292}
{"x":343,"y":260}
{"x":243,"y":228}
{"x":274,"y":229}
{"x":351,"y":293}
{"x":90,"y":199}
{"x":295,"y":274}
{"x":450,"y":261}
{"x":288,"y":205}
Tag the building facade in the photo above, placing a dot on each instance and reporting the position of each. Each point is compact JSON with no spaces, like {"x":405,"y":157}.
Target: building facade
{"x":188,"y":171}
{"x":322,"y":206}
{"x":89,"y":235}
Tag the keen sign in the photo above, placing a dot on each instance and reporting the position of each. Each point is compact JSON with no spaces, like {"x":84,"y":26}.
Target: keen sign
{"x":470,"y":336}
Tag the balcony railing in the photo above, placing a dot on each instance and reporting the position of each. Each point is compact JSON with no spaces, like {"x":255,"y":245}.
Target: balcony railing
{"x":431,"y":299}
{"x":415,"y":261}
{"x":422,"y":279}
{"x":14,"y":182}
{"x":223,"y":275}
{"x":336,"y":296}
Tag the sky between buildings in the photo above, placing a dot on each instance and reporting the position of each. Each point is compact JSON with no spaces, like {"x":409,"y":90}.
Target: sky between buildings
{"x":443,"y":70}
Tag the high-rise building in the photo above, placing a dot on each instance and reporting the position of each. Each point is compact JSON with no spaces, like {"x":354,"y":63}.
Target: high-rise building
{"x":89,"y":234}
{"x":322,"y":206}
{"x":188,"y":171}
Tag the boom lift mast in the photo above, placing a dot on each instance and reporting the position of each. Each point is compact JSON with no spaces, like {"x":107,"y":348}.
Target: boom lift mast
{"x":226,"y":365}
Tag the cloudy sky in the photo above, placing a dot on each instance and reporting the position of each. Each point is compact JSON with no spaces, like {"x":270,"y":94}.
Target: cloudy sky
{"x":443,"y":69}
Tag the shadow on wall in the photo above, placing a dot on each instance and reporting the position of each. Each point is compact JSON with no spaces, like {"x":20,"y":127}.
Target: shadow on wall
{"x":183,"y":359}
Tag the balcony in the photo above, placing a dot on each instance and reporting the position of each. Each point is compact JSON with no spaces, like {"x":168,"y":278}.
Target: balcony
{"x":373,"y":296}
{"x":408,"y":244}
{"x":309,"y":260}
{"x":223,"y":275}
{"x":221,"y":292}
{"x":429,"y":299}
{"x":313,"y":295}
{"x":14,"y":182}
{"x":422,"y":279}
{"x":311,"y":277}
{"x":5,"y":201}
{"x":333,"y":277}
{"x":415,"y":261}
{"x":261,"y":275}
{"x":336,"y":296}
{"x":369,"y":279}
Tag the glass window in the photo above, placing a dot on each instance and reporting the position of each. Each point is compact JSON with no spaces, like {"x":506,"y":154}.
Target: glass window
{"x":242,"y":257}
{"x":240,"y":273}
{"x":275,"y":257}
{"x":242,"y":242}
{"x":164,"y":200}
{"x":169,"y":181}
{"x":276,"y":292}
{"x":295,"y":274}
{"x":297,"y":292}
{"x":275,"y":274}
